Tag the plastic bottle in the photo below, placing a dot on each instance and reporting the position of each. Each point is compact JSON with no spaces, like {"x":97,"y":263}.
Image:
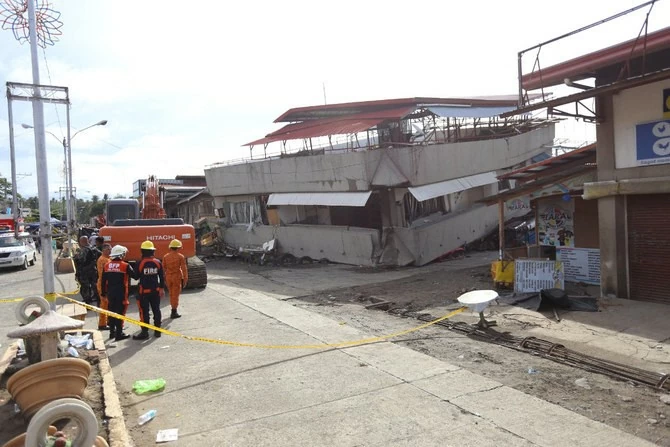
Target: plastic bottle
{"x":146,"y":417}
{"x":72,"y":351}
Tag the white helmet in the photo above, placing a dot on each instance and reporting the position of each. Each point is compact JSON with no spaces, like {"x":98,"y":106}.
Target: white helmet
{"x":118,"y":251}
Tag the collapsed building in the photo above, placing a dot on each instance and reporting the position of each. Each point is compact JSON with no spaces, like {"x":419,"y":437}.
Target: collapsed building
{"x":392,"y":182}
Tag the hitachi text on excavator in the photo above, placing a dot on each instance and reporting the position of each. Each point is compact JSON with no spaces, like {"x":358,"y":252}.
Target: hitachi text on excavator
{"x":129,"y":226}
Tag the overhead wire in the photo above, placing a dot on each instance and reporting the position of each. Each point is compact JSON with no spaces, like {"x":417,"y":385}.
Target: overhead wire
{"x":46,"y":64}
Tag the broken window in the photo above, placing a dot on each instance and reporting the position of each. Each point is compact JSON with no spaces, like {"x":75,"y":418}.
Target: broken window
{"x":415,"y":209}
{"x":244,"y":213}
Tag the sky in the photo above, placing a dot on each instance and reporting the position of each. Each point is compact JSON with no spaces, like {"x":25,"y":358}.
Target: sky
{"x":184,"y":84}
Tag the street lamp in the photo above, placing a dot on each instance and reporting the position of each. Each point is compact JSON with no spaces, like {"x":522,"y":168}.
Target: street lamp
{"x":67,"y":153}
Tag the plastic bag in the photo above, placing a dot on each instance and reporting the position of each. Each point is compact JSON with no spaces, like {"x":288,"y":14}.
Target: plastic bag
{"x":78,"y":341}
{"x":148,"y":386}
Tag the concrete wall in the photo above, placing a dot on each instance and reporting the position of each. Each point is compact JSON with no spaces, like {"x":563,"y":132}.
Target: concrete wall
{"x":347,"y":245}
{"x":611,"y":210}
{"x":632,"y":107}
{"x":616,"y":158}
{"x":354,"y":171}
{"x":433,"y":240}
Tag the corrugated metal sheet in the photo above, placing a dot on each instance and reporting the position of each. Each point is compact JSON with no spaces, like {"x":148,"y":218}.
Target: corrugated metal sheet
{"x":469,"y":112}
{"x":586,"y":154}
{"x":585,"y":65}
{"x":649,"y":247}
{"x":343,"y":125}
{"x":351,"y":108}
{"x":320,"y":198}
{"x":433,"y":190}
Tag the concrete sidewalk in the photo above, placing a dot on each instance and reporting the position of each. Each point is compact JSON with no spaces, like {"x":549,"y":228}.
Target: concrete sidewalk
{"x":375,"y":395}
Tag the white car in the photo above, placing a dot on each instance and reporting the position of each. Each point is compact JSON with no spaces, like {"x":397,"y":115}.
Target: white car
{"x":17,"y":252}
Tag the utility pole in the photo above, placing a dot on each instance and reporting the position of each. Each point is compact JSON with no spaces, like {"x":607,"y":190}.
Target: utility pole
{"x":41,"y":164}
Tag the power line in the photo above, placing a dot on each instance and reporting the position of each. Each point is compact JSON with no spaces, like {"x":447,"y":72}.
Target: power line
{"x":46,"y":63}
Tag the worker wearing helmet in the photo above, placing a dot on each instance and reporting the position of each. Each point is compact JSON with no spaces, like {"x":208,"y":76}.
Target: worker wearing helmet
{"x":176,"y":274}
{"x":114,"y":286}
{"x":152,"y":282}
{"x":106,"y":250}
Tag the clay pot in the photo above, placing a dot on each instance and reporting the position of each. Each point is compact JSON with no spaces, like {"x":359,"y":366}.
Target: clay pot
{"x":20,"y":440}
{"x":38,"y":384}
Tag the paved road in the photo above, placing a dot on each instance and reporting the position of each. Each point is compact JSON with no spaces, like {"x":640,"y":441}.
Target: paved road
{"x":374,"y":395}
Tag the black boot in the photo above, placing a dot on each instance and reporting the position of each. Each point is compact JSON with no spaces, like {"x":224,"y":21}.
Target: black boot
{"x":174,"y":314}
{"x":112,"y":334}
{"x":121,"y":336}
{"x":157,"y":334}
{"x":142,"y":335}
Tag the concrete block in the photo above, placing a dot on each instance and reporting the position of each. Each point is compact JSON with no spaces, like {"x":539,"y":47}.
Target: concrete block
{"x":538,"y":421}
{"x":397,"y":415}
{"x":400,"y":362}
{"x":454,"y":384}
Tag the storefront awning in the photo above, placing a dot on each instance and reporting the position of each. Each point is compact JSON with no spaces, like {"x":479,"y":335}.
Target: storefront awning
{"x":433,"y":190}
{"x":320,"y":198}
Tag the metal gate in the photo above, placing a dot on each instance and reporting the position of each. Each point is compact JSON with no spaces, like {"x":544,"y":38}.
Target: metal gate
{"x":649,"y":247}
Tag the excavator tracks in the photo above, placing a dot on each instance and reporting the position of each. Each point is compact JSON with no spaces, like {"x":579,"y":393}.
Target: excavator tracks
{"x":197,"y":273}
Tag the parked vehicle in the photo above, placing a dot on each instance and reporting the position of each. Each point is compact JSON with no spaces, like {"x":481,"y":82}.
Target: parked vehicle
{"x":17,"y":252}
{"x":129,"y":226}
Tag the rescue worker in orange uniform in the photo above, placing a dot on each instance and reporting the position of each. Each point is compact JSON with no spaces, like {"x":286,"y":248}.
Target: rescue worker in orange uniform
{"x":115,"y":278}
{"x":104,"y":303}
{"x":152,"y":282}
{"x":176,"y":274}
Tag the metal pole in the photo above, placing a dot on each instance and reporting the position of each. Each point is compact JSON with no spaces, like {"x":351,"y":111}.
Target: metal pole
{"x":12,"y":158}
{"x":66,"y":197}
{"x":70,"y":193}
{"x":41,"y":165}
{"x":501,"y":229}
{"x":519,"y":69}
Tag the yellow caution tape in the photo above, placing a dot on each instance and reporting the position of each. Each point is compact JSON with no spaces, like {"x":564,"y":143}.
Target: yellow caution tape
{"x":48,"y":296}
{"x":263,"y":346}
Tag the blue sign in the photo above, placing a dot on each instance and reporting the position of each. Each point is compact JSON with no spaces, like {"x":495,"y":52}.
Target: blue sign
{"x":653,"y":142}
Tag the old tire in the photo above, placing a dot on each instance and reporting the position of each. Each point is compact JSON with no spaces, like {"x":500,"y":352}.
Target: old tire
{"x":25,"y":263}
{"x":68,"y":408}
{"x":20,"y":310}
{"x":32,"y":261}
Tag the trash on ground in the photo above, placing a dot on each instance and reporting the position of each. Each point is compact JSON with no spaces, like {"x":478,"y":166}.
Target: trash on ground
{"x":532,"y":370}
{"x":171,"y":434}
{"x":146,"y":417}
{"x":79,"y":341}
{"x":73,"y":352}
{"x":147,"y":386}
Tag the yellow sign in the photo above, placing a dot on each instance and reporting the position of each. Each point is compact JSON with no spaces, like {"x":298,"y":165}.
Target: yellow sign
{"x":666,"y":103}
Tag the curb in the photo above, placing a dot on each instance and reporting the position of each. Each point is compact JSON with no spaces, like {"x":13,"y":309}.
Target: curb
{"x":116,"y":424}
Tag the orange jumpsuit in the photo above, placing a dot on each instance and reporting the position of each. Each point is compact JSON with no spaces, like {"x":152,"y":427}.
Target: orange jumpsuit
{"x":104,"y":302}
{"x":176,"y":275}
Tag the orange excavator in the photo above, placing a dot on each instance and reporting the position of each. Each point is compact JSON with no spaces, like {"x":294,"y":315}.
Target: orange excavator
{"x":126,"y":227}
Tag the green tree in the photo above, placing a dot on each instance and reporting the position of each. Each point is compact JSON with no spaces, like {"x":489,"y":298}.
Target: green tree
{"x":6,"y":190}
{"x":33,"y":203}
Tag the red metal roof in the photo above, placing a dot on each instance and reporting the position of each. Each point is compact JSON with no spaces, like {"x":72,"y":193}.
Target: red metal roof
{"x":352,"y":108}
{"x":547,"y":172}
{"x":581,"y":156}
{"x":584,"y":66}
{"x":333,"y":126}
